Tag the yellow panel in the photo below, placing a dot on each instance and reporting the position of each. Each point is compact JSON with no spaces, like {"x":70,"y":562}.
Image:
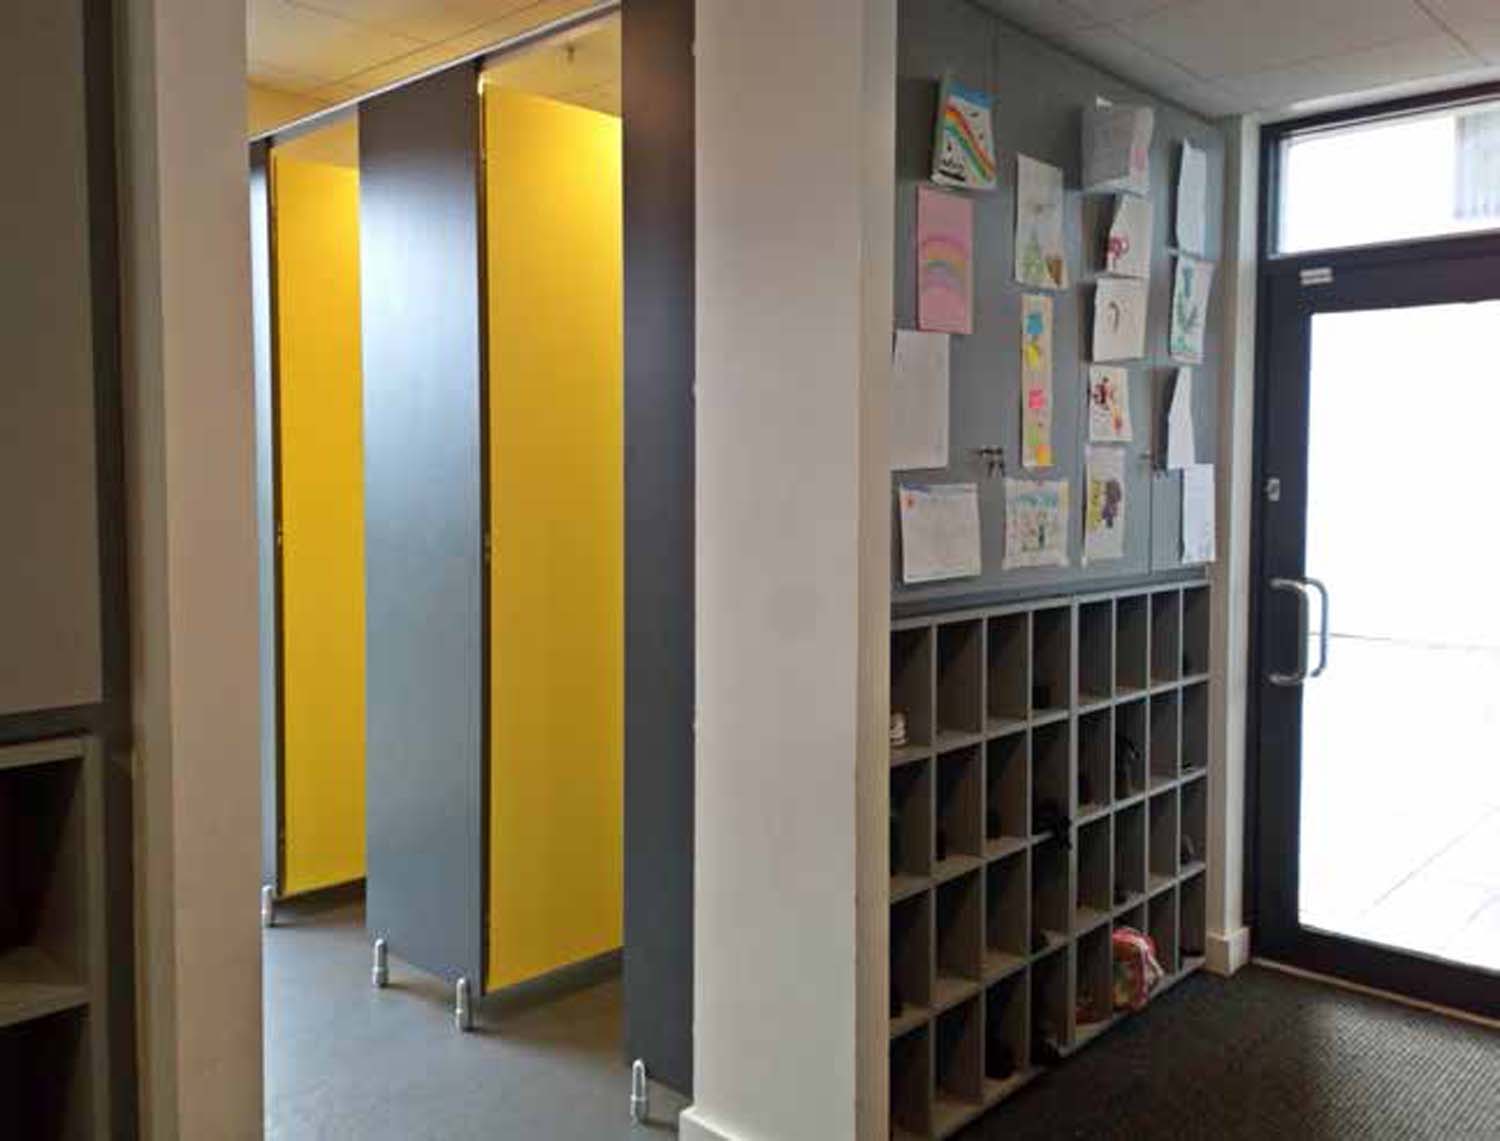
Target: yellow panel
{"x":557,"y":502}
{"x":322,"y":502}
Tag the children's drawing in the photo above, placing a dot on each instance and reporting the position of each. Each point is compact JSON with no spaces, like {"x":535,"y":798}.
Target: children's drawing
{"x":1041,"y":260}
{"x":1117,"y":148}
{"x":1109,"y":405}
{"x":1190,"y":294}
{"x":1119,"y":319}
{"x":1036,"y":381}
{"x":963,"y":151}
{"x":1036,"y":523}
{"x":1104,"y":510}
{"x":945,"y":262}
{"x":1129,"y":250}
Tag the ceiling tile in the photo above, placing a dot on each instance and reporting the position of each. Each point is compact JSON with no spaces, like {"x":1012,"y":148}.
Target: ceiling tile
{"x":1213,"y":38}
{"x":1123,"y":11}
{"x":1112,"y":50}
{"x":268,"y":74}
{"x":309,"y":42}
{"x":428,"y":20}
{"x":1368,"y":73}
{"x":1045,"y":17}
{"x":1476,"y":22}
{"x":1206,"y":97}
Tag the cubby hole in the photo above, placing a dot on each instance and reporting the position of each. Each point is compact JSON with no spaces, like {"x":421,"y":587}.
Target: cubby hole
{"x":1093,"y":986}
{"x":1051,"y":784}
{"x":958,"y":843}
{"x":1132,"y":644}
{"x":911,"y":1083}
{"x":960,"y":1066}
{"x":45,"y":1078}
{"x":1095,"y":759}
{"x":1007,"y":915}
{"x":1165,"y":709}
{"x":911,"y":691}
{"x":1095,"y":896}
{"x":1196,"y":618}
{"x":1005,"y":1054}
{"x":1008,"y":699}
{"x":960,"y":680}
{"x":1050,"y":902}
{"x":1096,"y":652}
{"x":959,"y":909}
{"x":1130,"y":856}
{"x":1049,"y":1009}
{"x":1162,"y":838}
{"x":1192,"y":848}
{"x":1007,"y":800}
{"x":1130,"y":750}
{"x":1132,"y":919}
{"x":1191,"y":920}
{"x":1166,"y":636}
{"x":911,"y":828}
{"x":1195,"y":727}
{"x":911,"y":961}
{"x":1161,"y":917}
{"x":1051,"y":661}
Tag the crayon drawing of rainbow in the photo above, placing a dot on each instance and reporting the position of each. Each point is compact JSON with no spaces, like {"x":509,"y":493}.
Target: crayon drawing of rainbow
{"x":964,"y":148}
{"x":945,"y":271}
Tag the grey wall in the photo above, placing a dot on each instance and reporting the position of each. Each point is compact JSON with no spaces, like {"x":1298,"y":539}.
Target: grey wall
{"x":1040,"y":93}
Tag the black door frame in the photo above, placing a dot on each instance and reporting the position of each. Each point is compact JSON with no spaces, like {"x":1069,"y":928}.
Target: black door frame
{"x":1432,"y":271}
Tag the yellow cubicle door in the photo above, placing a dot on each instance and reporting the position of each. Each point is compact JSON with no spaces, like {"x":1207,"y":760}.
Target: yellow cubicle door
{"x":322,"y":512}
{"x":555,"y":264}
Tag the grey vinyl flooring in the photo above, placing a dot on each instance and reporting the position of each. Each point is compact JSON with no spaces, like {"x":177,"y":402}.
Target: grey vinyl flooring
{"x":344,"y":1060}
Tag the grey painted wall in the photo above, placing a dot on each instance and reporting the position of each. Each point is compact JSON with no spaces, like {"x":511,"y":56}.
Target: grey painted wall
{"x":1040,"y":92}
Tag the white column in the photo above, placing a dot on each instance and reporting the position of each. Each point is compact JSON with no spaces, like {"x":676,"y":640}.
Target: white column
{"x":795,"y":166}
{"x":191,"y":473}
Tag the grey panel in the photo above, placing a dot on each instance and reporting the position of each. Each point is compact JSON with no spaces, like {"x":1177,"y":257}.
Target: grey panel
{"x":1040,"y":92}
{"x":265,"y":509}
{"x":659,"y":348}
{"x":424,"y":568}
{"x":51,"y":653}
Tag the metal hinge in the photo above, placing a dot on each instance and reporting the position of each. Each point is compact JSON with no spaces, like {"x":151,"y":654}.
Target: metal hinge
{"x":1273,"y":490}
{"x":1317,"y":275}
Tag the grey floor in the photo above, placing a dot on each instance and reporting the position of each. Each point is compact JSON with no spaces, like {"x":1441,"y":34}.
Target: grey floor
{"x":344,"y":1060}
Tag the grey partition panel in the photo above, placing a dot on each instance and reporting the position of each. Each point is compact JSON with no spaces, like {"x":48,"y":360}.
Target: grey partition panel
{"x":51,"y":654}
{"x":1040,"y":92}
{"x":424,"y":522}
{"x":659,"y":346}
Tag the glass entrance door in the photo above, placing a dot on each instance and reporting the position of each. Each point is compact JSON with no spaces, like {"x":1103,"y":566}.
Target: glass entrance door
{"x":1379,"y":627}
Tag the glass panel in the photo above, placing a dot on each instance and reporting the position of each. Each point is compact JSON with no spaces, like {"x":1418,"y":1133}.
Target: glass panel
{"x":1400,"y":812}
{"x":1418,"y":176}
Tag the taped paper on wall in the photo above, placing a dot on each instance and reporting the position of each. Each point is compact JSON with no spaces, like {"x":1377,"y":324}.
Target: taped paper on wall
{"x":1119,"y":319}
{"x":919,"y":400}
{"x":945,"y":261}
{"x":1117,"y":148}
{"x":1129,"y":250}
{"x":939,"y":532}
{"x":1192,"y":200}
{"x":1041,"y":259}
{"x":1190,"y":293}
{"x":1198,"y":514}
{"x":963,"y":149}
{"x":1036,"y":524}
{"x":1181,"y":446}
{"x":1104,"y":508}
{"x":1109,"y":405}
{"x":1036,"y":381}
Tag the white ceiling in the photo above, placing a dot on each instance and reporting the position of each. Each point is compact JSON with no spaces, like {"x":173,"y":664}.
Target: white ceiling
{"x":1222,"y":57}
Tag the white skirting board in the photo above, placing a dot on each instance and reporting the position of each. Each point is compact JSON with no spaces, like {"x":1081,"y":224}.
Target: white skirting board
{"x":1226,"y":952}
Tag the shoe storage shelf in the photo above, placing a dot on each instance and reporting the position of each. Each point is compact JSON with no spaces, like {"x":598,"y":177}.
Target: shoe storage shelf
{"x":1052,"y":787}
{"x":52,"y":1034}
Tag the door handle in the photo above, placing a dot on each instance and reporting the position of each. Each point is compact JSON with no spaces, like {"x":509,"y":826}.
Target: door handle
{"x":1300,"y":587}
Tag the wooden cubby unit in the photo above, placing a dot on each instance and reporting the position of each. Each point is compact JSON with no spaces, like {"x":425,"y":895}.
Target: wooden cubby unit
{"x":1001,"y":951}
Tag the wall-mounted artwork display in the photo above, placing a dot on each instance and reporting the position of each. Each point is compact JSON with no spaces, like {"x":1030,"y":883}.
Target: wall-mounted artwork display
{"x":1036,"y":381}
{"x":945,"y":261}
{"x":1129,"y":251}
{"x":1198,"y":514}
{"x":1109,"y":404}
{"x":1041,"y":259}
{"x":919,"y":400}
{"x":1104,"y":505}
{"x":1192,"y":200}
{"x":1036,"y":523}
{"x":1117,"y":148}
{"x":939,"y":532}
{"x":1119,"y":319}
{"x":1190,"y":293}
{"x":963,"y":149}
{"x":1182,"y":449}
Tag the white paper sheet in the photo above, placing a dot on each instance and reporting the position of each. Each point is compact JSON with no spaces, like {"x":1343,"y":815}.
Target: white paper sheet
{"x":1104,"y":507}
{"x":919,"y":400}
{"x":939,"y":532}
{"x":1192,"y":200}
{"x":1036,"y":381}
{"x":1198,"y":514}
{"x":1117,"y":148}
{"x":1181,"y":446}
{"x":1041,"y":257}
{"x":1129,"y":250}
{"x":1191,"y":288}
{"x":1036,"y":524}
{"x":1109,"y":405}
{"x":1119,"y":319}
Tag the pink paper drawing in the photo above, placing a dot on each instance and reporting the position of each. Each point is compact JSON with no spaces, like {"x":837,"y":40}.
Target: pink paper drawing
{"x":945,"y":262}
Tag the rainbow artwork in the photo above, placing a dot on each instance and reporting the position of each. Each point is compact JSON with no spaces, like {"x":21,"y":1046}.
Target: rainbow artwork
{"x":963,"y":149}
{"x":945,"y":262}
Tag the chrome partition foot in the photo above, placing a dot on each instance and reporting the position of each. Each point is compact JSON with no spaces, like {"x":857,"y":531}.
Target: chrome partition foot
{"x":267,"y":906}
{"x":463,"y":1010}
{"x":380,"y":973}
{"x":640,"y":1093}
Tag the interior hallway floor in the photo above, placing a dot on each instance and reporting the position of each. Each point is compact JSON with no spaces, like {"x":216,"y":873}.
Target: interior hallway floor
{"x":344,"y":1060}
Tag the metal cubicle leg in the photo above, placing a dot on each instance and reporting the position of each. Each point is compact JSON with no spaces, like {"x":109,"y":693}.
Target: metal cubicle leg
{"x":640,"y":1093}
{"x":267,"y":906}
{"x":463,"y":1009}
{"x":380,"y":972}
